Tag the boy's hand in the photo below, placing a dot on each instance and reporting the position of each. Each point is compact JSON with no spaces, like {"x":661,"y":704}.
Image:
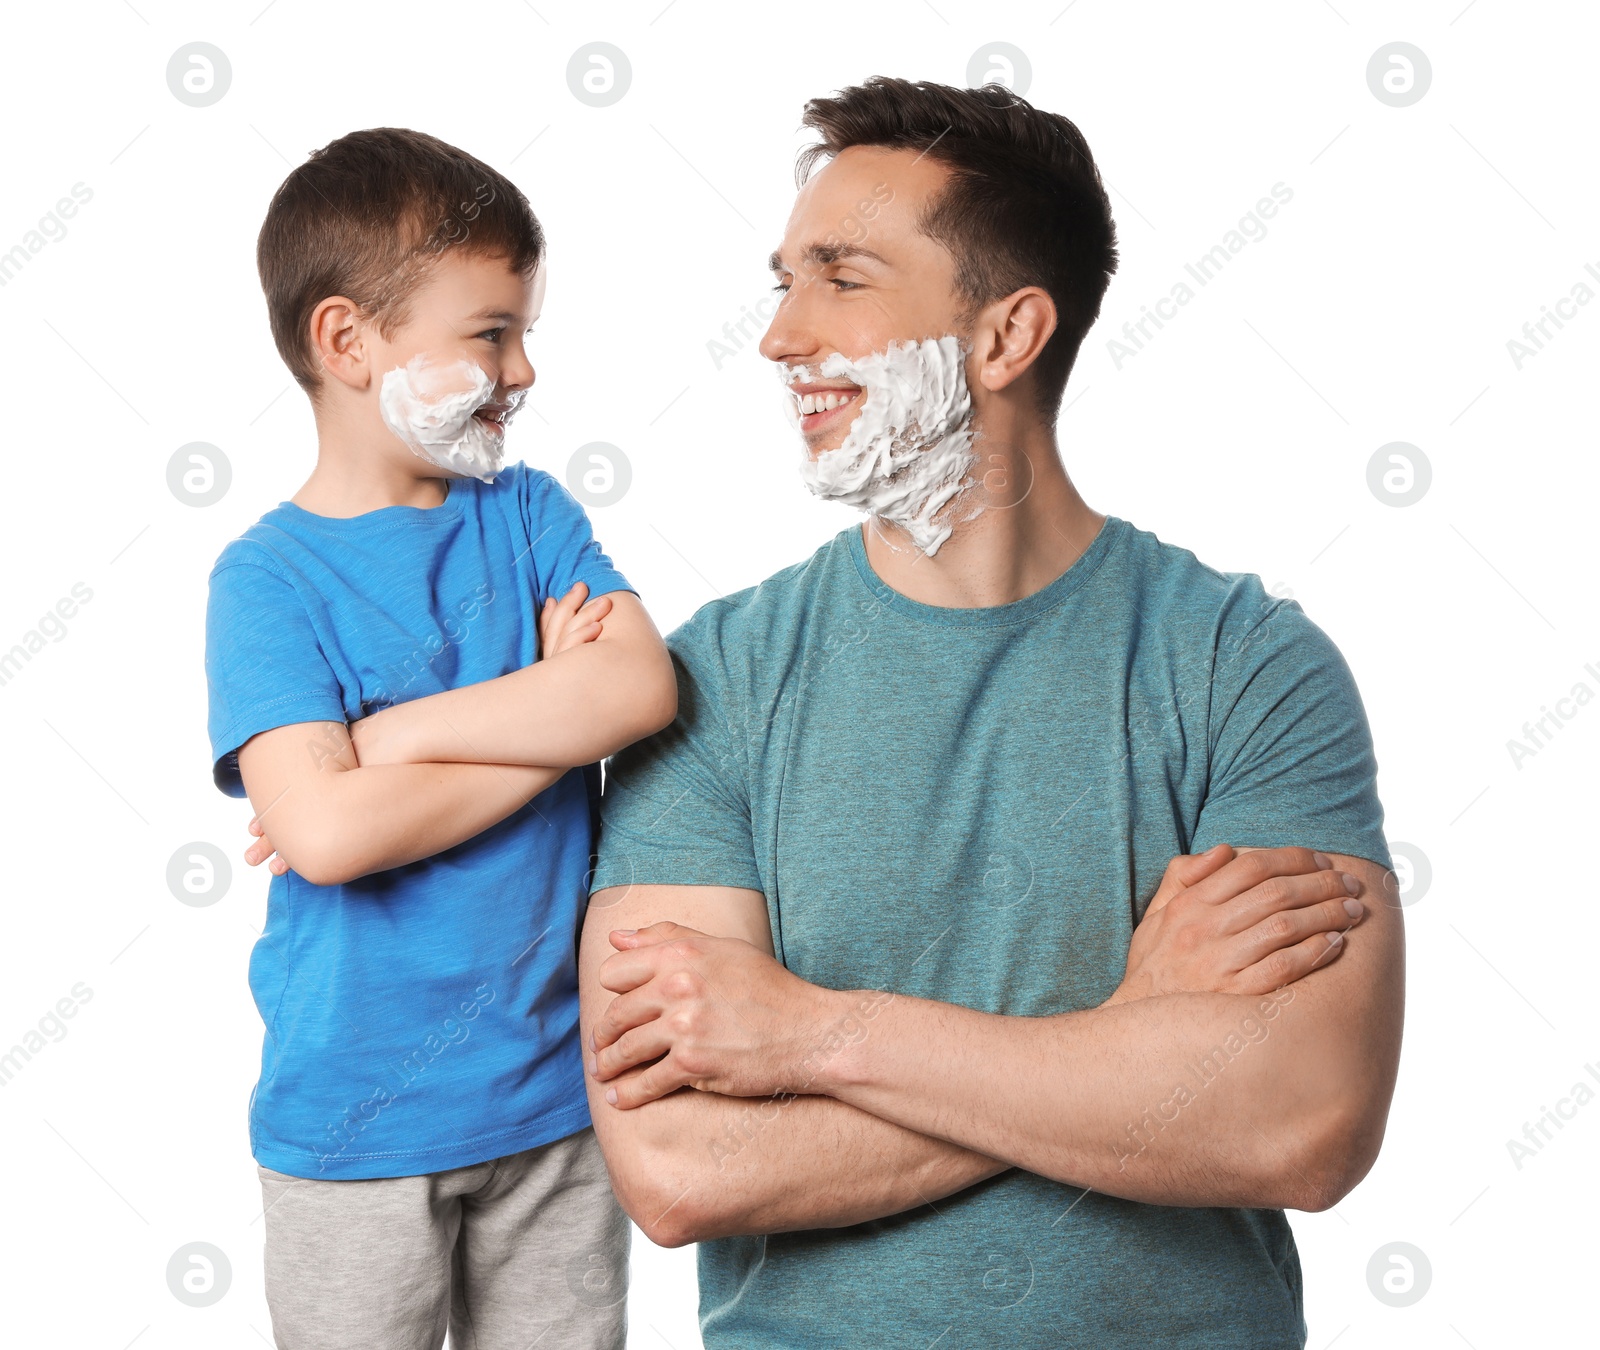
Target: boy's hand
{"x":1245,"y":923}
{"x":263,"y":849}
{"x":568,"y":622}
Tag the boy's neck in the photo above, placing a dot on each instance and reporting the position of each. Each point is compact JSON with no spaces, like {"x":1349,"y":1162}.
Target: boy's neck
{"x":357,"y":472}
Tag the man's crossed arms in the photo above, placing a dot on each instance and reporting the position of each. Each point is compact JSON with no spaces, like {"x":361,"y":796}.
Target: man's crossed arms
{"x":732,"y":1097}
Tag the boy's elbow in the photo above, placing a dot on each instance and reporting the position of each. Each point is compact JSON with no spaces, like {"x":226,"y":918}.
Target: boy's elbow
{"x":319,"y":866}
{"x":320,"y":854}
{"x":651,"y":701}
{"x":643,"y":700}
{"x":661,"y":696}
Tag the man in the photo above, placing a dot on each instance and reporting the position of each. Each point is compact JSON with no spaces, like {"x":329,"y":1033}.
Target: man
{"x":925,"y":986}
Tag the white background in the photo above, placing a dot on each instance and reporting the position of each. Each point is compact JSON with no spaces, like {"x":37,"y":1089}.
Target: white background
{"x":1377,"y":308}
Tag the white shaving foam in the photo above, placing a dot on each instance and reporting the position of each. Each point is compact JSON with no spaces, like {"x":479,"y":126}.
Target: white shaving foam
{"x":430,"y":405}
{"x":908,"y":454}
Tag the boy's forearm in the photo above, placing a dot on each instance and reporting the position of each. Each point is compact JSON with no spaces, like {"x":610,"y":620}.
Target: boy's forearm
{"x":386,"y":815}
{"x":571,"y":709}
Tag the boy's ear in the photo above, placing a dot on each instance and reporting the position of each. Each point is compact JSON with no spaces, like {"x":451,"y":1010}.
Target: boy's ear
{"x":339,"y":341}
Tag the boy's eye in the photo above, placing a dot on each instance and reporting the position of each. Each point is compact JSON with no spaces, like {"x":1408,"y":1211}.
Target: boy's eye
{"x":493,"y":334}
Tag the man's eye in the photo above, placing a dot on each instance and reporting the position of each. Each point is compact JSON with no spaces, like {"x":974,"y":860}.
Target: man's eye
{"x":783,"y":287}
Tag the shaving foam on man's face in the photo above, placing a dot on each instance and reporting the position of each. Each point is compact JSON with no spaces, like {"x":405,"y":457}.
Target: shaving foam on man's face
{"x":907,"y":455}
{"x":443,"y":408}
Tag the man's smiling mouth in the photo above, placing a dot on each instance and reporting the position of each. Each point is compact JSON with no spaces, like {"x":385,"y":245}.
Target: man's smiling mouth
{"x":819,"y":404}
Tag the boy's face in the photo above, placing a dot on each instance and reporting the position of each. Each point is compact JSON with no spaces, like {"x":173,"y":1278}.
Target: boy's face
{"x":469,"y":311}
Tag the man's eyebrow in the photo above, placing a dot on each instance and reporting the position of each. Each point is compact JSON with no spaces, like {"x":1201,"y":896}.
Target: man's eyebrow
{"x":822,"y":255}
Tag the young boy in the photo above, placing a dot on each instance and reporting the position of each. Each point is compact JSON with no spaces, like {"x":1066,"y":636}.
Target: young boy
{"x":415,"y":665}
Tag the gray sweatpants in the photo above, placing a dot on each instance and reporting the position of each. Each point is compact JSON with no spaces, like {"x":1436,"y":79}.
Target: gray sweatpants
{"x":527,"y":1250}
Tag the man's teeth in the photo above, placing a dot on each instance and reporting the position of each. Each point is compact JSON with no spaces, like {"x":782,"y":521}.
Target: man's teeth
{"x":815,"y":403}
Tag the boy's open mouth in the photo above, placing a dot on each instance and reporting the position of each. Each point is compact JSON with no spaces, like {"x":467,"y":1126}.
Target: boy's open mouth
{"x":496,"y":415}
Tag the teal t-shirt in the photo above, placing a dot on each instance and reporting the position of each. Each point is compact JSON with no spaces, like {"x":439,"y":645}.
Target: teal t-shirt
{"x":976,"y":806}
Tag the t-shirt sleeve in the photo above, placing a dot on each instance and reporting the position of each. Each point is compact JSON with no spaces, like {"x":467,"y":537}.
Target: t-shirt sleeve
{"x":1291,"y":754}
{"x":676,"y":809}
{"x":562,"y":543}
{"x":264,"y":666}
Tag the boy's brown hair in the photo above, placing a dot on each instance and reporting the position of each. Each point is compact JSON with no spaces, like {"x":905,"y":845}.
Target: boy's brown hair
{"x":366,"y":217}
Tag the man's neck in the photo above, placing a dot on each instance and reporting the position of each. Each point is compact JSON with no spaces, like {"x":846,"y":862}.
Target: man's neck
{"x":1032,"y":527}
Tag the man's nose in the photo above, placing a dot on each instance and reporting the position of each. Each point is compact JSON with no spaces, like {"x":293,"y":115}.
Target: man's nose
{"x":790,"y":337}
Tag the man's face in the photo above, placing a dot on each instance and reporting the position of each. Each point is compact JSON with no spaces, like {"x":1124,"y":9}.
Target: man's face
{"x":468,"y":309}
{"x":857,"y":274}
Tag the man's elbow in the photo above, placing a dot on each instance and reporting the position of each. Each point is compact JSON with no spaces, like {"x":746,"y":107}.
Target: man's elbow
{"x":675,"y":1190}
{"x":666,"y":1224}
{"x":1336,"y":1157}
{"x":666,"y":1211}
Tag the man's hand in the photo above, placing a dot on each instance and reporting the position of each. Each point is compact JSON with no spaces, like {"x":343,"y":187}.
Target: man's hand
{"x":719,"y":1015}
{"x":1239,"y":924}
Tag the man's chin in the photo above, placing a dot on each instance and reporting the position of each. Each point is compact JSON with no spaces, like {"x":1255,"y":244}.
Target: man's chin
{"x":822,"y":442}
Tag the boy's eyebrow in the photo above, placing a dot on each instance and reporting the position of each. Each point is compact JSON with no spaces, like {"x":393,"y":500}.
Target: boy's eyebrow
{"x":822,"y":255}
{"x":505,"y":316}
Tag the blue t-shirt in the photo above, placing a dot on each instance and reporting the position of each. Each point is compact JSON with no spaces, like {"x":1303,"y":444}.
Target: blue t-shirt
{"x":424,"y":1017}
{"x":976,"y":806}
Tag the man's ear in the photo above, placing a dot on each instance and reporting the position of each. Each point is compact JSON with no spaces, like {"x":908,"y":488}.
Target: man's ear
{"x":339,"y":341}
{"x":1011,"y":333}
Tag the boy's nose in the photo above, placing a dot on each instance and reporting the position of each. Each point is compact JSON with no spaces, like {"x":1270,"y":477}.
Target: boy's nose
{"x":516,"y":372}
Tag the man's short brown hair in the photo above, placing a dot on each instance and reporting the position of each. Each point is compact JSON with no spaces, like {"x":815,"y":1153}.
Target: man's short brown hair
{"x":1024,"y":205}
{"x":366,"y":217}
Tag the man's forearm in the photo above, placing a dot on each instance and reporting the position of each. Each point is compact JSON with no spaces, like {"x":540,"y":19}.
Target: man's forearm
{"x":574,"y":708}
{"x":1179,"y":1099}
{"x":701,"y":1166}
{"x":376,"y":817}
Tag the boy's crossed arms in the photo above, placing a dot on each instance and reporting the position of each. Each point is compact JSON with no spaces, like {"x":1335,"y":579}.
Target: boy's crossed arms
{"x":419,"y":777}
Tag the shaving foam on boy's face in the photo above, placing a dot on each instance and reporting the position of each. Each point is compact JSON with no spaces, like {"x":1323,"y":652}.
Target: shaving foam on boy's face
{"x":442,"y":406}
{"x":908,"y":454}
